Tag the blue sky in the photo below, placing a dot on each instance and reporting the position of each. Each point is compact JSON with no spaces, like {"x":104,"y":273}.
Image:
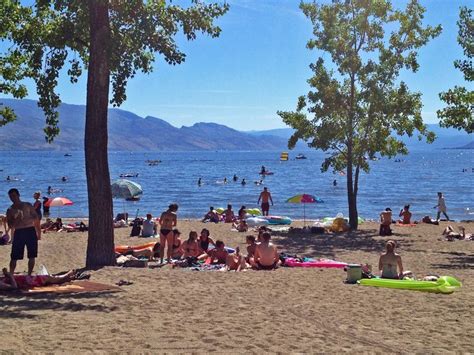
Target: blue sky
{"x":259,"y":65}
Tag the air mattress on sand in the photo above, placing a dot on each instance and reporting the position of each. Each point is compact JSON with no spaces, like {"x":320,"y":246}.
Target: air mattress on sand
{"x":445,"y":284}
{"x":321,"y":263}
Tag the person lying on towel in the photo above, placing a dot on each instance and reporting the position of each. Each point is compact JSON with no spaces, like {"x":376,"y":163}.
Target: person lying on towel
{"x":14,"y":282}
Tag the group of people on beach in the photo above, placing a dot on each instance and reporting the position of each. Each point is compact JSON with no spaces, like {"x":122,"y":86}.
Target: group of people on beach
{"x":386,"y":218}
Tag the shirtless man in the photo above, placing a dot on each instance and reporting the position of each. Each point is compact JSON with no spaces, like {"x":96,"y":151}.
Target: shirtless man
{"x":24,"y":223}
{"x":385,"y":221}
{"x":217,"y":255}
{"x":265,"y":197}
{"x":168,"y":221}
{"x":389,"y":262}
{"x":266,"y":254}
{"x":14,"y":282}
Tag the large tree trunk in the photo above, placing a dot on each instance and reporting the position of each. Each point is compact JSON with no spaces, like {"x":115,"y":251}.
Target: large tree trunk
{"x":352,"y":199}
{"x":100,"y":245}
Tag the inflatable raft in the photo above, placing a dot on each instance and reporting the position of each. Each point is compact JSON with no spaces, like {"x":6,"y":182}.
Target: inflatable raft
{"x":321,"y":263}
{"x":277,"y":220}
{"x":445,"y":284}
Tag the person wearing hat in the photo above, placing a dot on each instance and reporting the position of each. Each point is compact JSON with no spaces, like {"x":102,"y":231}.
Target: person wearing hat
{"x":385,"y":222}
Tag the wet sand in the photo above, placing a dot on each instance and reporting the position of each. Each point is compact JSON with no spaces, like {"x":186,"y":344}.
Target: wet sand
{"x":287,"y":310}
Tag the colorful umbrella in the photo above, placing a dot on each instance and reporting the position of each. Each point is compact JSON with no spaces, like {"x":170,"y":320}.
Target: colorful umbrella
{"x":304,"y":199}
{"x":58,"y":202}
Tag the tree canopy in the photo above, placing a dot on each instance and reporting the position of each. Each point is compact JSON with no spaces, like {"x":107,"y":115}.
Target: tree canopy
{"x":357,"y":105}
{"x":460,"y":100}
{"x":112,"y":40}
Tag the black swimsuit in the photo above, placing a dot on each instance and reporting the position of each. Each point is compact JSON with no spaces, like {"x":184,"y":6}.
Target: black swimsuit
{"x":165,"y":231}
{"x":204,"y":244}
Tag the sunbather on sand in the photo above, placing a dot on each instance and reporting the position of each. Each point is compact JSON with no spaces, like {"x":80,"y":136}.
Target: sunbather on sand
{"x":204,"y":240}
{"x":235,"y":261}
{"x":390,"y":261}
{"x":190,"y":247}
{"x":177,"y":254}
{"x":217,"y":255}
{"x":266,"y":254}
{"x":241,"y":226}
{"x":13,"y":282}
{"x":251,"y":246}
{"x":450,"y":234}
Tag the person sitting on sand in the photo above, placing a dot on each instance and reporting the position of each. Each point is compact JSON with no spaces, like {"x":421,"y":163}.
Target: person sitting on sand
{"x":385,"y":221}
{"x":211,"y":216}
{"x":149,"y":252}
{"x":218,"y":255}
{"x":251,"y":246}
{"x":149,"y":226}
{"x":177,"y":254}
{"x":204,"y":240}
{"x":56,"y":226}
{"x":405,"y":214}
{"x":14,"y":282}
{"x":47,"y":224}
{"x":390,"y":261}
{"x":235,"y":261}
{"x":242,"y":212}
{"x":190,"y":247}
{"x":261,"y":230}
{"x":450,"y":234}
{"x":229,"y":216}
{"x":266,"y":254}
{"x":241,"y":226}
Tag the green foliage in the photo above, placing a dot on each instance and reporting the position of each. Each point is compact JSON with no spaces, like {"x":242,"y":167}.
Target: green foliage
{"x":12,"y":63}
{"x":54,"y":35}
{"x":357,"y":105}
{"x":460,"y":110}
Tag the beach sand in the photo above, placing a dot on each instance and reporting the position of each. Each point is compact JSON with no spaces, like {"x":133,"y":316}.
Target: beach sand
{"x":287,"y":310}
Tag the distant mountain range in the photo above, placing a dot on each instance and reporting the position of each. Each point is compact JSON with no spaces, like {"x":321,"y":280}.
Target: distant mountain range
{"x":129,"y":132}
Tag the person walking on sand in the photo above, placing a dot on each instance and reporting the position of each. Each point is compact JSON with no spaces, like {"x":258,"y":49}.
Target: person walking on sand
{"x":25,"y":226}
{"x":266,"y":198}
{"x":441,"y":207}
{"x":168,"y":221}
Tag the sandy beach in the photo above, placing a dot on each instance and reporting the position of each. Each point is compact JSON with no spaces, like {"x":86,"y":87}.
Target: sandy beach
{"x":287,"y":310}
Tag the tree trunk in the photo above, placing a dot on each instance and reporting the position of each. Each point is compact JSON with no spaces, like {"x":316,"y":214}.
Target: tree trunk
{"x":100,"y":244}
{"x":351,"y":197}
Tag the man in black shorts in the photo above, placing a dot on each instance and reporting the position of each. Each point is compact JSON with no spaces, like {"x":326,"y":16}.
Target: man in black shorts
{"x":25,"y":225}
{"x":266,"y":198}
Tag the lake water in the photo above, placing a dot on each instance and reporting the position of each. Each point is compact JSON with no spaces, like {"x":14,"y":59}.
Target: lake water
{"x":413,"y":181}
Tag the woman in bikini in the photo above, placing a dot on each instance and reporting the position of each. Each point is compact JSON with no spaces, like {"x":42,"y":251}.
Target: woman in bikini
{"x":177,"y":244}
{"x":390,"y":263}
{"x":168,"y":221}
{"x":190,"y":248}
{"x":204,"y":241}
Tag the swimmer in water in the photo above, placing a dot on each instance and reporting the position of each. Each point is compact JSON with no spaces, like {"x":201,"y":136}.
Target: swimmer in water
{"x":225,"y":180}
{"x":235,"y":178}
{"x":243,"y":182}
{"x":334,"y":183}
{"x":199,"y":182}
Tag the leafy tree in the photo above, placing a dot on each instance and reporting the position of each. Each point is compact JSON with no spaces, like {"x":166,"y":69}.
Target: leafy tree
{"x":460,"y":100}
{"x":12,"y":65}
{"x":113,"y":40}
{"x":357,"y":103}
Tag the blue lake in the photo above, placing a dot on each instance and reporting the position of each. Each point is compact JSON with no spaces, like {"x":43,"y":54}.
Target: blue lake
{"x":415,"y":181}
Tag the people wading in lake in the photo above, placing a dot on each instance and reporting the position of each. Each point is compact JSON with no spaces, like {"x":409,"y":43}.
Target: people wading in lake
{"x":266,"y":198}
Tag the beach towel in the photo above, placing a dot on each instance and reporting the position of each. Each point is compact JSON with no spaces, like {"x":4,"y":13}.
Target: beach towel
{"x":73,"y":287}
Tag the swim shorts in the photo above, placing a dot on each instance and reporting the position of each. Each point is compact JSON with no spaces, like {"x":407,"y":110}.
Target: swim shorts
{"x":266,"y":267}
{"x":24,"y":237}
{"x":265,"y":206}
{"x":25,"y":281}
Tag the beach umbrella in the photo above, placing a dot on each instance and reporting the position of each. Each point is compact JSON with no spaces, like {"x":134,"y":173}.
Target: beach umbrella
{"x":304,"y":199}
{"x":58,"y":202}
{"x":126,"y":190}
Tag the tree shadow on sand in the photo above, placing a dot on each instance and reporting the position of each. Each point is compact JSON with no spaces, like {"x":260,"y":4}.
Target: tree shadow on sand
{"x":456,"y":261}
{"x":327,"y":245}
{"x":17,"y":305}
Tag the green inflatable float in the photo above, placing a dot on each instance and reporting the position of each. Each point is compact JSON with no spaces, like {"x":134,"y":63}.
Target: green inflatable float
{"x":445,"y":284}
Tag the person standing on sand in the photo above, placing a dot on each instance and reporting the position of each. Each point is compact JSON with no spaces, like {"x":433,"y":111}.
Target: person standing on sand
{"x":168,"y":221}
{"x":441,"y":207}
{"x":265,"y":197}
{"x":37,"y":204}
{"x":25,"y":226}
{"x":385,"y":222}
